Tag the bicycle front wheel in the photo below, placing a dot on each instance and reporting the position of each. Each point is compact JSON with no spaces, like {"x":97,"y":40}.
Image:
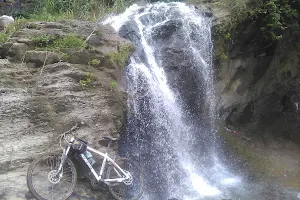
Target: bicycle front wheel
{"x":45,"y":183}
{"x":131,"y":189}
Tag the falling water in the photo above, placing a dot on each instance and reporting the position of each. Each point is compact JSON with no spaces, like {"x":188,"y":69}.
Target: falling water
{"x":171,"y":102}
{"x":171,"y":105}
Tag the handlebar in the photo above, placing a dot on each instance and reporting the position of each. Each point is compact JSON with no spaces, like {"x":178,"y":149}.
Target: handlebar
{"x":72,"y":129}
{"x":63,"y":136}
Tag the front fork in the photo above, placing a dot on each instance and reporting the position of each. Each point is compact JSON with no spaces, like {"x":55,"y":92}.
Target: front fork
{"x":64,"y":157}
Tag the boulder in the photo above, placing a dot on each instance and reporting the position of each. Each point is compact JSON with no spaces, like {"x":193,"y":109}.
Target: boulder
{"x":17,"y":51}
{"x":5,"y":21}
{"x":41,"y":58}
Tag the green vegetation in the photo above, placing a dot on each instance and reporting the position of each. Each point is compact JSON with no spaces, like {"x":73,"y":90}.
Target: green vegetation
{"x":48,"y":17}
{"x":51,"y":10}
{"x":238,"y":10}
{"x":121,"y":57}
{"x":86,"y":81}
{"x":11,"y":29}
{"x":94,"y":62}
{"x":227,"y":36}
{"x":277,"y":16}
{"x":17,"y":25}
{"x":222,"y":37}
{"x":3,"y":37}
{"x":43,"y":41}
{"x":113,"y":84}
{"x":273,"y":16}
{"x":56,"y":10}
{"x":58,"y":44}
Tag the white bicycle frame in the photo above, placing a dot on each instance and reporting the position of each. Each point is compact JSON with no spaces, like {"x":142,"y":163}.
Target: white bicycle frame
{"x":121,"y":173}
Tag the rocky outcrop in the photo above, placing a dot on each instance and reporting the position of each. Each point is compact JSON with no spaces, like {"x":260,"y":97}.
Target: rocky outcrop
{"x":42,"y":95}
{"x":258,"y":84}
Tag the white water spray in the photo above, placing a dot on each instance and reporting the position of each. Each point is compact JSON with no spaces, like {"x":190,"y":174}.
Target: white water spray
{"x":158,"y":117}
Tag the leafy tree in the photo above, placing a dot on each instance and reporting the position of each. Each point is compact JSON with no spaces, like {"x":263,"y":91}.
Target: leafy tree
{"x":276,"y":16}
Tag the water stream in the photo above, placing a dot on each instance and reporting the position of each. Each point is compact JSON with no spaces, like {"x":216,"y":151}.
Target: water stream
{"x":171,"y":105}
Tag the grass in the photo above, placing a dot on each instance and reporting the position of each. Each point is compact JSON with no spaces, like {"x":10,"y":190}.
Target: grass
{"x":58,"y":44}
{"x":57,"y":10}
{"x":91,"y":10}
{"x":22,"y":22}
{"x":11,"y":29}
{"x":48,"y":17}
{"x":121,"y":57}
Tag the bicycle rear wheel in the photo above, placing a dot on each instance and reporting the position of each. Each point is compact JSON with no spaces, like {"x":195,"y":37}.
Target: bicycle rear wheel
{"x":131,"y":189}
{"x":42,"y":179}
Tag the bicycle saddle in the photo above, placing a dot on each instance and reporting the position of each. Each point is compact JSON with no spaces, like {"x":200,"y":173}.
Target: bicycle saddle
{"x":109,"y":138}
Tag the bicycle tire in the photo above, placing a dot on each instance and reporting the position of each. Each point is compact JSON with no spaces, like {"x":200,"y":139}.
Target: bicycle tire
{"x":137,"y":185}
{"x":53,"y":159}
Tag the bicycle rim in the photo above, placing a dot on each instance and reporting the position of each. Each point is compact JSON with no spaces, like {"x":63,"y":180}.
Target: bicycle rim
{"x":45,"y":188}
{"x":133,"y":189}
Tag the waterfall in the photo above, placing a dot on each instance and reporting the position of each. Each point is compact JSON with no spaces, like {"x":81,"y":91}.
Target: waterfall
{"x":171,"y":105}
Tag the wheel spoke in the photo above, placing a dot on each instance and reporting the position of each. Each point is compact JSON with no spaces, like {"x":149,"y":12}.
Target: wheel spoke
{"x":44,"y":170}
{"x":131,"y":188}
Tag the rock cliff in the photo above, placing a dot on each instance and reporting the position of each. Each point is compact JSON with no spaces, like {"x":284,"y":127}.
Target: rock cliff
{"x":44,"y":91}
{"x":258,"y":84}
{"x":257,"y":90}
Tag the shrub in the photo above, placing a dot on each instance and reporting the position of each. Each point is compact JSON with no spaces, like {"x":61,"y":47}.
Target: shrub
{"x":276,"y":16}
{"x":121,"y":57}
{"x":273,"y":16}
{"x":43,"y":41}
{"x":86,"y":81}
{"x":113,"y":84}
{"x":94,"y":62}
{"x":238,"y":10}
{"x":3,"y":37}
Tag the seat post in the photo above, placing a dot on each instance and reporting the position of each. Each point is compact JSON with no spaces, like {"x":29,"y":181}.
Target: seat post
{"x":108,"y":146}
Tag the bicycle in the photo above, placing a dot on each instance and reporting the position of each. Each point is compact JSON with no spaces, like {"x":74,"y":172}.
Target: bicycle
{"x":124,"y":177}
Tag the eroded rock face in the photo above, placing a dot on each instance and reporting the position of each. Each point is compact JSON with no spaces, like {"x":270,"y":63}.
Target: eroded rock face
{"x":39,"y":103}
{"x":258,"y":87}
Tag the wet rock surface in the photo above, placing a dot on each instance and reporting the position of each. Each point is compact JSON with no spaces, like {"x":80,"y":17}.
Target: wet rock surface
{"x":171,"y":41}
{"x":258,"y":96}
{"x":258,"y":86}
{"x":41,"y":102}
